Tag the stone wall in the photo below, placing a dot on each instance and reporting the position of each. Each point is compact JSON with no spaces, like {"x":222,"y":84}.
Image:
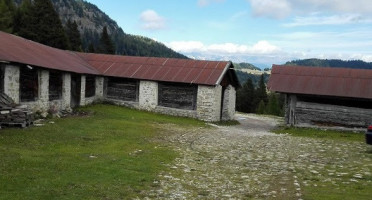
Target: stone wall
{"x":229,"y":100}
{"x":209,"y":103}
{"x":82,"y":92}
{"x":66,"y":91}
{"x":11,"y":82}
{"x":148,"y":95}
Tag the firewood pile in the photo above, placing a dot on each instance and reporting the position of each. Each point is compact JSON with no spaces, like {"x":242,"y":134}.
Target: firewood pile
{"x":12,"y":114}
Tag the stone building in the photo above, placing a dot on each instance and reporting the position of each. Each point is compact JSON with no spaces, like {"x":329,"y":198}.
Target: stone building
{"x":46,"y":78}
{"x":324,"y":96}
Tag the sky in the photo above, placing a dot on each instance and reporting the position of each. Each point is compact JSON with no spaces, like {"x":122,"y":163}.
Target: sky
{"x":262,"y":32}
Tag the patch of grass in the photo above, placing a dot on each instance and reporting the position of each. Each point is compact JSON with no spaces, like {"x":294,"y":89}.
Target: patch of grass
{"x":111,"y":154}
{"x":325,"y":134}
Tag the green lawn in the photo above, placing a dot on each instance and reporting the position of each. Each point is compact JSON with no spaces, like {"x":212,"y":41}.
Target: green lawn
{"x":110,"y":154}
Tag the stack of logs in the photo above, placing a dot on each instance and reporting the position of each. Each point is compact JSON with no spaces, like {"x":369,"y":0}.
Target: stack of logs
{"x":12,"y":114}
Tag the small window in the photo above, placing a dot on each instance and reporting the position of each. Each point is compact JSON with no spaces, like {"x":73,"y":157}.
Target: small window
{"x":55,"y":85}
{"x":29,"y":84}
{"x":90,"y":86}
{"x":122,"y":89}
{"x":182,"y":96}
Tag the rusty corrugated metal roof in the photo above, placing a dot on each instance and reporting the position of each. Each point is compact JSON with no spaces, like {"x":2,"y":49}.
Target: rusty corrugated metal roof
{"x":20,"y":50}
{"x":159,"y":69}
{"x":340,"y":82}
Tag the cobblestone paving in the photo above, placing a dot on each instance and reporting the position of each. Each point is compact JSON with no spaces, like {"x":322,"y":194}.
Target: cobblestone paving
{"x":249,"y":162}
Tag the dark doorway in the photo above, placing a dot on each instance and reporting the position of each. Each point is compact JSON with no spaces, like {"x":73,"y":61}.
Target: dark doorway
{"x":75,"y":90}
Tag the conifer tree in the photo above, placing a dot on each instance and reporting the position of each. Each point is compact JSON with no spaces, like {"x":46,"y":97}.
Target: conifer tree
{"x":273,"y":107}
{"x":40,"y":22}
{"x":49,"y":26}
{"x":73,"y":35}
{"x":7,"y":11}
{"x":245,"y":97}
{"x":261,"y":107}
{"x":261,"y":91}
{"x":106,"y":45}
{"x":91,"y":48}
{"x":24,"y":23}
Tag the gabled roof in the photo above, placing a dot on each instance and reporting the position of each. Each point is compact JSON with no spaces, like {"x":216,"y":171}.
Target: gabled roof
{"x":19,"y":50}
{"x":339,"y":82}
{"x":159,"y":69}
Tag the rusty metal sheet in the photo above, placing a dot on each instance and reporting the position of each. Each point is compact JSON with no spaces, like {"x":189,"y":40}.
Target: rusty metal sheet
{"x":20,"y":50}
{"x":342,"y":82}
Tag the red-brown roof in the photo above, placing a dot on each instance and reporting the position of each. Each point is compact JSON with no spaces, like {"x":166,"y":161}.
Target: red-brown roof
{"x":340,"y":82}
{"x":159,"y":69}
{"x":20,"y":50}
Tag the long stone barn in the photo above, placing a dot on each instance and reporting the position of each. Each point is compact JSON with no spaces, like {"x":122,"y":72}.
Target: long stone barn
{"x":324,"y":96}
{"x":46,"y":78}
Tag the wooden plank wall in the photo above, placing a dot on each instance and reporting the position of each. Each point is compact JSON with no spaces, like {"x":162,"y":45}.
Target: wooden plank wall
{"x":181,"y":96}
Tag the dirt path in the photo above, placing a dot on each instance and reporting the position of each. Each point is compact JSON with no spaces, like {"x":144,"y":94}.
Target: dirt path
{"x":246,"y":162}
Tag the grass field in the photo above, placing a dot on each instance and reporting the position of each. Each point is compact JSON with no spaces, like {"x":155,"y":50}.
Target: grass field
{"x":111,"y":153}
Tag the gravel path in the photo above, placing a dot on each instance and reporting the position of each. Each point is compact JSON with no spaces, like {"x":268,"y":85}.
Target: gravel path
{"x":249,"y":162}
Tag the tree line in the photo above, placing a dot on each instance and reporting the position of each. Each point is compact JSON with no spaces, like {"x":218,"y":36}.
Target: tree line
{"x":255,"y":99}
{"x":355,"y":64}
{"x":38,"y":21}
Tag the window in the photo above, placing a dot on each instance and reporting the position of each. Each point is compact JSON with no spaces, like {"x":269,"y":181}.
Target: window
{"x":29,"y":84}
{"x":90,"y":86}
{"x":55,"y":85}
{"x":182,"y":96}
{"x":122,"y":89}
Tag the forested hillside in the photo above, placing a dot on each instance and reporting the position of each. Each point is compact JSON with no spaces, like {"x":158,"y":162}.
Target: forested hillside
{"x":89,"y":21}
{"x":356,"y":64}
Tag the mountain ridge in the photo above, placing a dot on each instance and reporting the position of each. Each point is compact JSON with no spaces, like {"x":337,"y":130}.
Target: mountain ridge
{"x":91,"y":20}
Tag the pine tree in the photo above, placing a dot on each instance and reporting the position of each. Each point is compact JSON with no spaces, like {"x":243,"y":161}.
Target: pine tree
{"x":49,"y":26}
{"x":261,"y":107}
{"x":106,"y":45}
{"x":25,"y":24}
{"x":40,"y":22}
{"x":7,"y":12}
{"x":245,"y":98}
{"x":91,"y":48}
{"x":273,"y":107}
{"x":261,"y":91}
{"x":73,"y":35}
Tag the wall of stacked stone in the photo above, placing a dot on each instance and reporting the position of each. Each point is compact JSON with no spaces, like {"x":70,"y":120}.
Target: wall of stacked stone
{"x":209,"y":103}
{"x":208,"y":97}
{"x":176,"y":112}
{"x":148,"y":95}
{"x":11,"y":82}
{"x":228,"y":110}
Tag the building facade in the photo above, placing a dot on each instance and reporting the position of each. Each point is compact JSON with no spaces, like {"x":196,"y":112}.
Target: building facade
{"x":324,"y":96}
{"x":48,"y":80}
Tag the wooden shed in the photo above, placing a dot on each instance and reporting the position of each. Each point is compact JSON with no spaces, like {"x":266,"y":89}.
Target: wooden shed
{"x":324,"y":96}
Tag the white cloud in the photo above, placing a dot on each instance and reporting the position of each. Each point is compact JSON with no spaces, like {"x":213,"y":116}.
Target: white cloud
{"x":152,"y":21}
{"x":328,"y":20}
{"x":203,"y":3}
{"x":284,"y":8}
{"x":270,"y":8}
{"x":261,"y":47}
